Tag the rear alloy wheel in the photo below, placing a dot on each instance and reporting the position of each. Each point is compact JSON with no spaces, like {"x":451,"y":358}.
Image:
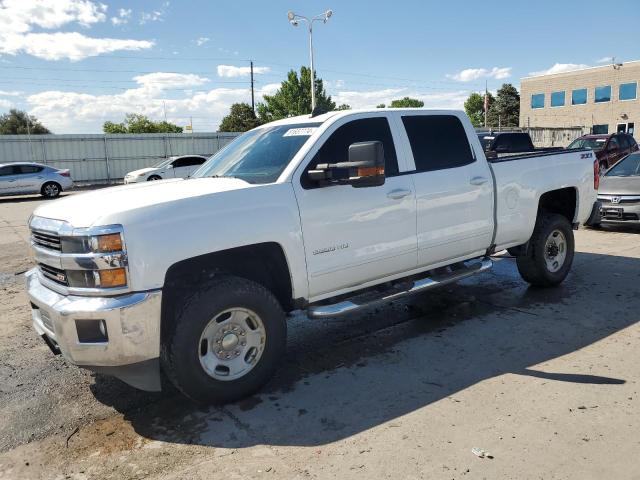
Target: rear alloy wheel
{"x":50,"y":190}
{"x":549,"y":255}
{"x":153,"y":178}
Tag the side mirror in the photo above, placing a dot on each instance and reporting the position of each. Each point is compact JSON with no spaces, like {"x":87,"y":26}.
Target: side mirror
{"x":365,"y":167}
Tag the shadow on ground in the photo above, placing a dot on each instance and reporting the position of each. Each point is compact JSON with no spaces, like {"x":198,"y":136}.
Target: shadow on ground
{"x":344,"y":376}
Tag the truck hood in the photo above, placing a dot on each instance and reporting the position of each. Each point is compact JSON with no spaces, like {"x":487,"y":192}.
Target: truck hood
{"x":89,"y":209}
{"x":619,"y":186}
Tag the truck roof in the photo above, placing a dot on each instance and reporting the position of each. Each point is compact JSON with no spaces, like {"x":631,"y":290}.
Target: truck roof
{"x":301,"y":119}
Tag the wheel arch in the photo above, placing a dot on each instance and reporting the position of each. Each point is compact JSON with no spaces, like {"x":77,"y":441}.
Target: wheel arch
{"x":264,"y":263}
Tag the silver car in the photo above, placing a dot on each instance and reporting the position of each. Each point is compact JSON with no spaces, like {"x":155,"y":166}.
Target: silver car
{"x":23,"y":178}
{"x":619,"y":191}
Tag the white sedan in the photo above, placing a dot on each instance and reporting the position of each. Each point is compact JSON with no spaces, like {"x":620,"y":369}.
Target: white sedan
{"x":172,"y":167}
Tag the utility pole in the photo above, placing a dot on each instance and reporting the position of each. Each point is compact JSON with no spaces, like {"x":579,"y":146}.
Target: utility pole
{"x":253,"y":104}
{"x":486,"y":103}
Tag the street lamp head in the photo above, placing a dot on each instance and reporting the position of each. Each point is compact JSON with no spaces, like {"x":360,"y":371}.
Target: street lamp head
{"x":328,"y":14}
{"x":295,"y":23}
{"x":291,"y":16}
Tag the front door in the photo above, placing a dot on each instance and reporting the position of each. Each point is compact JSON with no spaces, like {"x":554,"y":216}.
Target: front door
{"x":9,"y":180}
{"x":454,"y":189}
{"x":29,"y":178}
{"x":355,"y":235}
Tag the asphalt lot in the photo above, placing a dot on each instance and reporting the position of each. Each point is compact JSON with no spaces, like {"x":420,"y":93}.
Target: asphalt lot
{"x":546,"y":381}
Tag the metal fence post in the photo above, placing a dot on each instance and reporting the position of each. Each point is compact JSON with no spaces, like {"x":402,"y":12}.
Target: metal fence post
{"x":44,"y":151}
{"x":106,"y":159}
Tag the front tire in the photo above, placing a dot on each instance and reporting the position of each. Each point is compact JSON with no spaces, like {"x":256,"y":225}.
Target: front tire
{"x":225,"y":342}
{"x":50,"y":190}
{"x":153,"y":178}
{"x":549,"y":256}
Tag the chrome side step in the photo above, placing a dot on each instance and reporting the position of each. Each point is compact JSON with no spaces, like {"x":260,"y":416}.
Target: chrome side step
{"x":398,"y":291}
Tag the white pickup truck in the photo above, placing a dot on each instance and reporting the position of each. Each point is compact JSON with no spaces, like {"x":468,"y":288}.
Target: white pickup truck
{"x":193,"y":278}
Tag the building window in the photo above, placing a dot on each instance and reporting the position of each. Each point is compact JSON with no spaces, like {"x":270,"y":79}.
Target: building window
{"x":557,"y":99}
{"x":603,"y":94}
{"x":579,"y":96}
{"x":537,"y":100}
{"x":627,"y":91}
{"x":600,"y":129}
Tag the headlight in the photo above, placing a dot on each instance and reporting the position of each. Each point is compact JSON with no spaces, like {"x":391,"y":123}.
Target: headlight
{"x":115,"y":277}
{"x":108,"y":243}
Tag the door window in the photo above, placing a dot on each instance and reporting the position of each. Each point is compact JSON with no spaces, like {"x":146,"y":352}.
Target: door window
{"x":437,"y":142}
{"x":336,"y":148}
{"x":29,"y":169}
{"x":624,"y":142}
{"x":182,"y":162}
{"x":8,"y":170}
{"x":613,"y":144}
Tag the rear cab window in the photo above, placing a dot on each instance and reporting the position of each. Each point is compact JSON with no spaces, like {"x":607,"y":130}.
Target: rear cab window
{"x":437,"y":142}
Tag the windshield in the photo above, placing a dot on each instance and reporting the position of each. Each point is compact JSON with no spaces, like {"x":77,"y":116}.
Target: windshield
{"x":258,"y":156}
{"x":628,"y":167}
{"x":590,"y":143}
{"x":163,"y":163}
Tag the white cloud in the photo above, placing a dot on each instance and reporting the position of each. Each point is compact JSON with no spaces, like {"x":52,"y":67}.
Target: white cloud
{"x":372,"y":98}
{"x":560,"y":68}
{"x":154,"y":15}
{"x":124,"y":15}
{"x":202,"y":40}
{"x":18,"y":17}
{"x":164,"y":80}
{"x":10,"y":93}
{"x":605,"y":60}
{"x":77,"y":112}
{"x":5,"y":104}
{"x":231,"y":71}
{"x":471,"y":74}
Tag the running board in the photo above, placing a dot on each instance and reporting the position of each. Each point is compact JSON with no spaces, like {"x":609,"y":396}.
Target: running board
{"x":399,"y":290}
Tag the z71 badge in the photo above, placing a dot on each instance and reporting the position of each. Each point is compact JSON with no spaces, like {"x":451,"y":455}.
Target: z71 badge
{"x":586,"y":155}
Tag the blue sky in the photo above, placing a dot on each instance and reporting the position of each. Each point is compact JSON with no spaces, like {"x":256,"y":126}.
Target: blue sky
{"x":76,"y":63}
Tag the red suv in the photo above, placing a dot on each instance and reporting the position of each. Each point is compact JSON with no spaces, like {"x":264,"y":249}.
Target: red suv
{"x":609,"y":149}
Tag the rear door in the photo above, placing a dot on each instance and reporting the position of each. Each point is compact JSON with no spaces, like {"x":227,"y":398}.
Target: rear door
{"x":454,"y":190}
{"x":29,"y":178}
{"x":353,"y":236}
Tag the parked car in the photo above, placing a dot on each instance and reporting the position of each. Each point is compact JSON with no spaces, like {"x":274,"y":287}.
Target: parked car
{"x":327,"y":214}
{"x":498,"y":144}
{"x":23,"y":178}
{"x":619,"y":191}
{"x":172,"y":167}
{"x":609,"y":149}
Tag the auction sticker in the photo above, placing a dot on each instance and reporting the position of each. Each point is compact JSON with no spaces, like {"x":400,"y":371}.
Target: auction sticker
{"x":300,"y":132}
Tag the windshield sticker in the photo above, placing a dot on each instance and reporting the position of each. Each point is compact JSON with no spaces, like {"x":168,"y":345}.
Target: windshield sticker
{"x":300,"y":132}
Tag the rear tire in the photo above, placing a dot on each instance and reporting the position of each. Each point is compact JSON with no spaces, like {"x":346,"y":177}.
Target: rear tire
{"x":549,"y":256}
{"x":50,"y":190}
{"x":225,"y":342}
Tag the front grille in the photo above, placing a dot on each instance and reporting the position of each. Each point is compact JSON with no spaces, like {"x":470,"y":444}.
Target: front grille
{"x":54,"y":274}
{"x":46,"y":240}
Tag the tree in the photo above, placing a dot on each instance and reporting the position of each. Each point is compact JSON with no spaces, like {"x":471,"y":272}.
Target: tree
{"x":344,"y":106}
{"x":136,"y":123}
{"x":240,"y":119}
{"x":381,"y":105}
{"x":294,"y":97}
{"x":16,"y":122}
{"x":505,"y":111}
{"x":406,"y":102}
{"x":474,"y":106}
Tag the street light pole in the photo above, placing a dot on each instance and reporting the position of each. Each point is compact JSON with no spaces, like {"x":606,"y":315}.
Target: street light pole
{"x":294,"y":19}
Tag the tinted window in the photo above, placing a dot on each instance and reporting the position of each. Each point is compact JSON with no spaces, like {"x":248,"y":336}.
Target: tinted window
{"x":630,"y":166}
{"x":336,"y":148}
{"x":437,"y":142}
{"x":514,"y":142}
{"x":600,"y":129}
{"x":9,"y":170}
{"x":29,"y":168}
{"x":537,"y":100}
{"x":624,"y":142}
{"x":613,"y":144}
{"x":628,"y":91}
{"x":603,"y":94}
{"x":579,"y":96}
{"x":188,"y":162}
{"x":557,"y":99}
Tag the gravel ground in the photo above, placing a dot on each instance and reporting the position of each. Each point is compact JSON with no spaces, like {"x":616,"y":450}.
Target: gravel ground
{"x":546,"y":381}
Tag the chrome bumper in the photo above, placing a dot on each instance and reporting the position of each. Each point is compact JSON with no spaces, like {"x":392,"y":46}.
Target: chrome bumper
{"x":132,"y":321}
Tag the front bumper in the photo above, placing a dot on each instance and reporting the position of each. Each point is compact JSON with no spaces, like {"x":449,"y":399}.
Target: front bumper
{"x":132,"y":322}
{"x":128,"y":179}
{"x":620,"y":212}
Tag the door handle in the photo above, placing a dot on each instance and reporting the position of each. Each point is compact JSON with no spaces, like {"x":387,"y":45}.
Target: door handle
{"x":398,"y":193}
{"x":478,"y":181}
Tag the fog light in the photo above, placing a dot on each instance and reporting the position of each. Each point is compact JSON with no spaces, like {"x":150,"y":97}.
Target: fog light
{"x":92,"y":331}
{"x":115,"y":277}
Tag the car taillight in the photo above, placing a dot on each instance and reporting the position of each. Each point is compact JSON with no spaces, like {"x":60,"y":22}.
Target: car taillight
{"x":596,"y":174}
{"x":65,"y":173}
